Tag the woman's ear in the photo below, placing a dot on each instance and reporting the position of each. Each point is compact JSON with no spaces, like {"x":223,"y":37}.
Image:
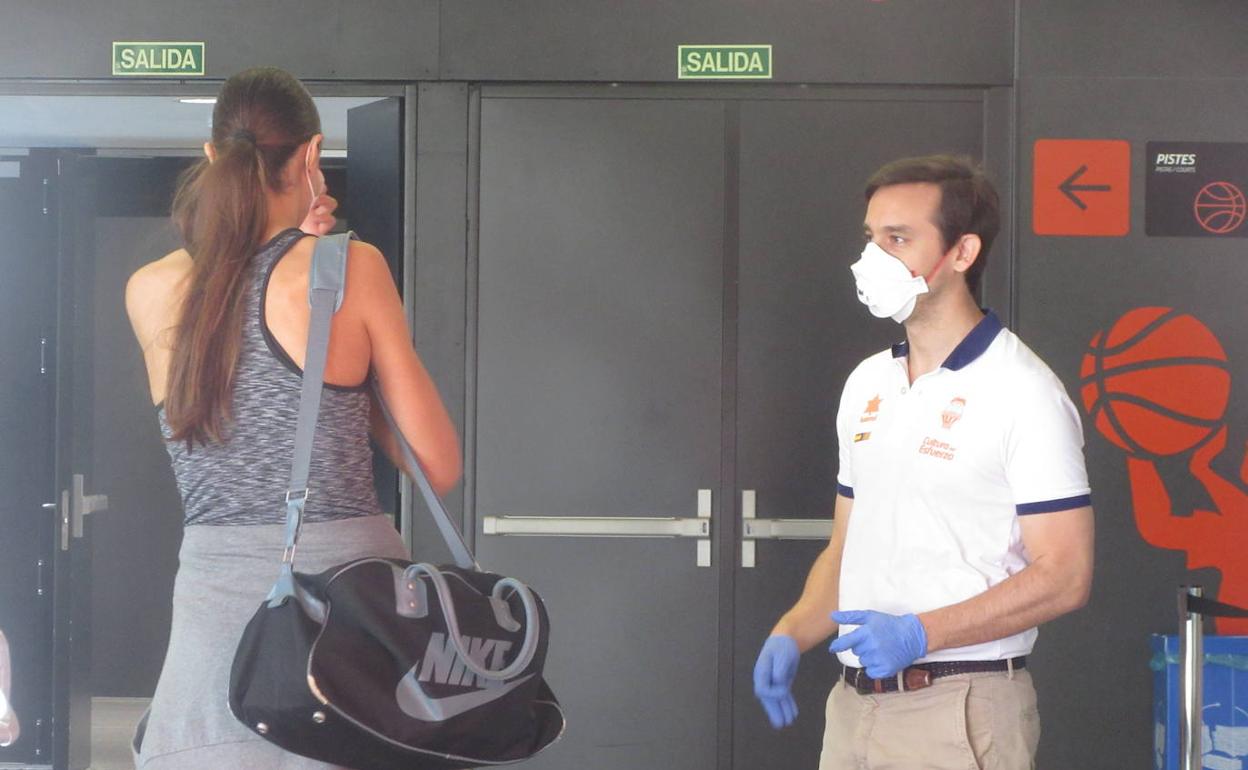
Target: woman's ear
{"x":313,"y":156}
{"x":210,"y":152}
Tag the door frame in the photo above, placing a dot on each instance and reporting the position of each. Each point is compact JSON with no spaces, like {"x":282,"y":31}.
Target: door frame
{"x":999,"y":159}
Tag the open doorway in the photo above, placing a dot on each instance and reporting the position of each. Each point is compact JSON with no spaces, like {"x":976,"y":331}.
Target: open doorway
{"x":86,"y":183}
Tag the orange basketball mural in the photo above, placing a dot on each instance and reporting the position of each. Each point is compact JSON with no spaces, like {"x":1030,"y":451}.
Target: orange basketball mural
{"x":1157,"y":384}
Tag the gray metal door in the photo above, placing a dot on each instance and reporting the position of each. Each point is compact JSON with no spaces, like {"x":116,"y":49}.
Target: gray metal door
{"x":801,"y":331}
{"x":663,"y":305}
{"x":598,"y":408}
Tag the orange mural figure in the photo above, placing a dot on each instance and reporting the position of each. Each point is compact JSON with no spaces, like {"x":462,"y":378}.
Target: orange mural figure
{"x":1156,"y":385}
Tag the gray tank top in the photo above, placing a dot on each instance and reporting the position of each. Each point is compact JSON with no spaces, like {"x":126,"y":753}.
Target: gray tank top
{"x":243,"y":480}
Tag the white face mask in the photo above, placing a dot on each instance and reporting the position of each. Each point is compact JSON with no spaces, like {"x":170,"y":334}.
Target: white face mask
{"x":885,"y":285}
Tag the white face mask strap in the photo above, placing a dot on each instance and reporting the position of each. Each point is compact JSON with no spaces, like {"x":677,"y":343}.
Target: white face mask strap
{"x":307,"y":172}
{"x":307,"y":169}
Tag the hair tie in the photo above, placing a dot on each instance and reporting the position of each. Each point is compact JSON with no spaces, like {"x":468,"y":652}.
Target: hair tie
{"x":243,"y":135}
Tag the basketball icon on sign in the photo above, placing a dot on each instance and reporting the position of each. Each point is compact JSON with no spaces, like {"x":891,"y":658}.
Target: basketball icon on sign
{"x":1157,"y":383}
{"x":1220,"y":207}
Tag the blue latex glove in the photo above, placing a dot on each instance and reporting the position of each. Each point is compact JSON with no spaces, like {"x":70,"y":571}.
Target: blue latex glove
{"x":885,"y":644}
{"x":774,"y":672}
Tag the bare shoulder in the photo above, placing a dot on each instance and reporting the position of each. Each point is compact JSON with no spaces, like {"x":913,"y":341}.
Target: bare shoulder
{"x":154,"y":293}
{"x":155,"y":279}
{"x":369,"y":281}
{"x":366,"y":264}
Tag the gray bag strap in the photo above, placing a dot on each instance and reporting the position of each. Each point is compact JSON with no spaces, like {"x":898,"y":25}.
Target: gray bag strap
{"x":450,"y":533}
{"x":326,"y":285}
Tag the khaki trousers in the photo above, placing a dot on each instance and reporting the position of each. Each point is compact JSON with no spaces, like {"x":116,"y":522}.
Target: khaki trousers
{"x":983,"y":721}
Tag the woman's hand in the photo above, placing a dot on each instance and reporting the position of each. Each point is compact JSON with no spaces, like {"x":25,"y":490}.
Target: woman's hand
{"x":321,"y":219}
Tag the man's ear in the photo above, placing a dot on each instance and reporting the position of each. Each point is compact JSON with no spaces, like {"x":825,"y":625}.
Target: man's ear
{"x":966,"y":252}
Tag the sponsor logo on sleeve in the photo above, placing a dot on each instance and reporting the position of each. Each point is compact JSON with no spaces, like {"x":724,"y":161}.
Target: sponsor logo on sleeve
{"x":872,"y":412}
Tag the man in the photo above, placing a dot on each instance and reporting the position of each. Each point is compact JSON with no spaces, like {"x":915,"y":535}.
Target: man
{"x":962,"y":518}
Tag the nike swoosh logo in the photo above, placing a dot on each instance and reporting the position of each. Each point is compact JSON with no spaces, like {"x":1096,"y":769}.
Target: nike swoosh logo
{"x":413,"y":701}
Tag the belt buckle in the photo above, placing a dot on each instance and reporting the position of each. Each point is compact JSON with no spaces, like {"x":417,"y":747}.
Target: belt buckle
{"x":911,"y":678}
{"x":861,"y":687}
{"x":865,"y":685}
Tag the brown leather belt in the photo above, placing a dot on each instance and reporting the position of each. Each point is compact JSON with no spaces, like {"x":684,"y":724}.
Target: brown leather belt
{"x":918,"y":676}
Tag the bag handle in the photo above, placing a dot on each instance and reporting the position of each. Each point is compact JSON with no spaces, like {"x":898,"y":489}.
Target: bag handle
{"x":527,"y":649}
{"x":326,"y":285}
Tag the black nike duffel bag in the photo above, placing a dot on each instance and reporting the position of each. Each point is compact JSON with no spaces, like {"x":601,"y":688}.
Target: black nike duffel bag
{"x":384,"y":664}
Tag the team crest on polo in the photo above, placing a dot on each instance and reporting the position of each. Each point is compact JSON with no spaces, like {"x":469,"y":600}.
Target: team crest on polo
{"x":952,"y":413}
{"x":872,"y":412}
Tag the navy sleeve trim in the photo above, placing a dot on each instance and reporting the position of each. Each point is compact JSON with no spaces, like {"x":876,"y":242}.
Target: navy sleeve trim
{"x":1051,"y":506}
{"x":845,"y":491}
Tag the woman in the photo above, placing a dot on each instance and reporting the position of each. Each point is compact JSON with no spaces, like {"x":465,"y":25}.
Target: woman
{"x":223,"y":325}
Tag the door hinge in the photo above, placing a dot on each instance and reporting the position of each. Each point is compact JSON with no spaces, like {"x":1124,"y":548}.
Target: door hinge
{"x":40,"y":727}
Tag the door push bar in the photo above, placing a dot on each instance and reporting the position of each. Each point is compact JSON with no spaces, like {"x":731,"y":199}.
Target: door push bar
{"x":753,"y":528}
{"x":612,"y":526}
{"x":74,"y":507}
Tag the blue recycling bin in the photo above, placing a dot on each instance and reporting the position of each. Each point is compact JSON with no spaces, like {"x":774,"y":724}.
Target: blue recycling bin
{"x":1224,"y":734}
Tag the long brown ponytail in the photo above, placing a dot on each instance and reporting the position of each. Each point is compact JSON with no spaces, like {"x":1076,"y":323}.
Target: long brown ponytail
{"x":221,"y":209}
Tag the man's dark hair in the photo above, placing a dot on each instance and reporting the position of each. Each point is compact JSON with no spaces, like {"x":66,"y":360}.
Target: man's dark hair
{"x":968,"y":200}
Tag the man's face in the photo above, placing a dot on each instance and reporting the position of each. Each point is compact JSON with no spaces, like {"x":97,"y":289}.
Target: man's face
{"x":901,"y":220}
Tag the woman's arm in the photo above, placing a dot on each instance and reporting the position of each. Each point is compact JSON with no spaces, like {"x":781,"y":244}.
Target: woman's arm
{"x":405,"y":383}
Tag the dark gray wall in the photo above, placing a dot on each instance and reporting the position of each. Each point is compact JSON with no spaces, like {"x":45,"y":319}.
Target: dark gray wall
{"x":314,"y":39}
{"x":1136,"y":71}
{"x":823,"y":41}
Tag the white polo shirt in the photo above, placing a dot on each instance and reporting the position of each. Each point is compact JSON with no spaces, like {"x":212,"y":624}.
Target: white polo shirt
{"x":940,"y":472}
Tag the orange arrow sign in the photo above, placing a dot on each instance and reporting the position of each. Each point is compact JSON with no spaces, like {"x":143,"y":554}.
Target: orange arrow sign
{"x":1081,"y":187}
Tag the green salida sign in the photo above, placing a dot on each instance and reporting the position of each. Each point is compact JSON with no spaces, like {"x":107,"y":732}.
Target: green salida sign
{"x":155,"y":59}
{"x":724,"y":62}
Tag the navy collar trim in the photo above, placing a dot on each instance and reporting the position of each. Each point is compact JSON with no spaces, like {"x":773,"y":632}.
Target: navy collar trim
{"x":970,"y":348}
